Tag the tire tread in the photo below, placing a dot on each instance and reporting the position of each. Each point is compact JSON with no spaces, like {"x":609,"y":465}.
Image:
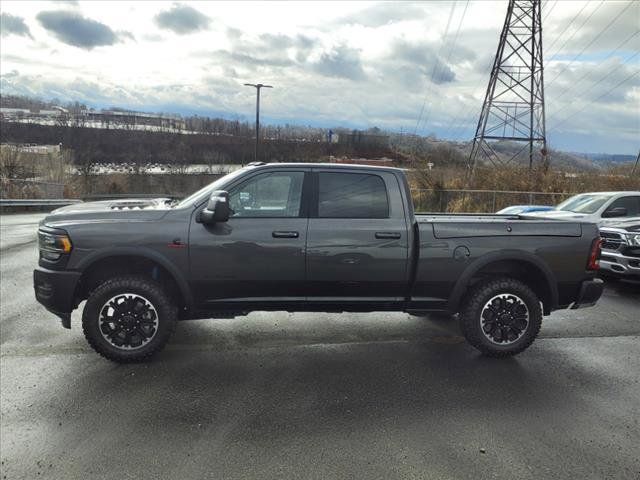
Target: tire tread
{"x":138,"y":282}
{"x":469,"y":324}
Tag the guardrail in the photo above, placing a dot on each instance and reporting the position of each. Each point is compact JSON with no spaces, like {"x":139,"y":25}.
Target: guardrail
{"x":37,"y":202}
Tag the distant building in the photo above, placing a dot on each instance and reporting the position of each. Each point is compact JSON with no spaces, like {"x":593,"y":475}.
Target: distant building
{"x":96,"y":119}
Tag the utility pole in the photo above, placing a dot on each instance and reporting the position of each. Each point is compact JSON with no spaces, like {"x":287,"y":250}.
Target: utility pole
{"x":513,"y":108}
{"x":257,"y":86}
{"x":635,"y":167}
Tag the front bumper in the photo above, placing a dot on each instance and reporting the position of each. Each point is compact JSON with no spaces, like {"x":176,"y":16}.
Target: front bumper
{"x":56,"y":291}
{"x":590,"y":292}
{"x":619,"y":264}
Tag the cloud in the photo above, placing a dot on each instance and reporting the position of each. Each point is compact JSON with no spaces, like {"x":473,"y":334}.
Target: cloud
{"x":594,"y":21}
{"x":182,"y":19}
{"x":245,"y":60}
{"x":12,"y":25}
{"x":381,"y":14}
{"x":422,"y":57}
{"x":75,"y":30}
{"x":341,"y":62}
{"x":274,"y":50}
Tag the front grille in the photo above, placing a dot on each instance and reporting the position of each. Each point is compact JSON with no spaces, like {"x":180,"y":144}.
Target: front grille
{"x":631,"y":251}
{"x":611,"y":240}
{"x":611,"y":235}
{"x":609,"y":245}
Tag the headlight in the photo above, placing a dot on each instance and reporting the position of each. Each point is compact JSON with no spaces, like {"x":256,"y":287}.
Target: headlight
{"x":53,"y":245}
{"x":633,"y":239}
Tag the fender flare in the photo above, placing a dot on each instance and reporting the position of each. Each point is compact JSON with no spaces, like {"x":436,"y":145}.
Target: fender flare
{"x":142,"y":252}
{"x":514,"y":255}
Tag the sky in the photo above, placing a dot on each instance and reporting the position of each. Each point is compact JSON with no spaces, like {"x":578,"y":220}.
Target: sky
{"x":351,"y":64}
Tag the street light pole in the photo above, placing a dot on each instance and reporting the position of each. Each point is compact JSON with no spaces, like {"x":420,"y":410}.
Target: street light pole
{"x":257,"y":86}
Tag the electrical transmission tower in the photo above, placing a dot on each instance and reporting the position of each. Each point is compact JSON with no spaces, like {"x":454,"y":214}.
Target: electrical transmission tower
{"x":513,"y":106}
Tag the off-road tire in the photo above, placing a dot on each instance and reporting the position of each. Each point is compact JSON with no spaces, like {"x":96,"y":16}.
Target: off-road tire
{"x":166,"y":312}
{"x":470,"y":316}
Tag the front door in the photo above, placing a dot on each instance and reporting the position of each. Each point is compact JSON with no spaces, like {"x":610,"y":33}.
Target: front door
{"x":357,"y":245}
{"x":258,"y":255}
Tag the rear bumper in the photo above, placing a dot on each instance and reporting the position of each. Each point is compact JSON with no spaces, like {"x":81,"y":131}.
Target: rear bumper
{"x":56,"y":291}
{"x":590,"y":292}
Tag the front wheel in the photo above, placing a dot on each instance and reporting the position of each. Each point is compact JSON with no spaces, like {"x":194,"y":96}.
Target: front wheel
{"x":501,"y":317}
{"x":128,"y":319}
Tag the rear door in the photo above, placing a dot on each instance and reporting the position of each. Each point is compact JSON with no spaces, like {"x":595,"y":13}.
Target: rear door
{"x":357,"y":242}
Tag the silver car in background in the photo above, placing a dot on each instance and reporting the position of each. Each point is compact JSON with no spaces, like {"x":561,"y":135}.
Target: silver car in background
{"x":602,"y":208}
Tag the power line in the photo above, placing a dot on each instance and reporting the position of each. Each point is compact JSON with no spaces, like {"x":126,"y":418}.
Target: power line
{"x":564,"y":120}
{"x":435,"y":65}
{"x":594,"y":85}
{"x":568,"y":26}
{"x":588,"y":72}
{"x":551,"y":57}
{"x":548,"y":11}
{"x":591,"y":42}
{"x":455,"y":40}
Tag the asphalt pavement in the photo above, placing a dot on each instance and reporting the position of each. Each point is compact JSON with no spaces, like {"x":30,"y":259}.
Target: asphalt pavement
{"x":278,"y":395}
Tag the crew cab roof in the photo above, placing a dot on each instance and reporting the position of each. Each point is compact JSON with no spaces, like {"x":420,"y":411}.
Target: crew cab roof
{"x":337,"y":166}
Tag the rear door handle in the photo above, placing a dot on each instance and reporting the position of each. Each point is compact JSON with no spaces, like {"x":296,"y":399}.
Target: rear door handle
{"x":387,"y":235}
{"x":278,"y":234}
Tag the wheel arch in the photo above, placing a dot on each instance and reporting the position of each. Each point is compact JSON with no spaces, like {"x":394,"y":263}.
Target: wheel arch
{"x":100,"y":265}
{"x":518,"y":264}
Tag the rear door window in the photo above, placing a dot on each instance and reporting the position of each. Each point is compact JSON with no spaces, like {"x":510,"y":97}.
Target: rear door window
{"x":352,"y":195}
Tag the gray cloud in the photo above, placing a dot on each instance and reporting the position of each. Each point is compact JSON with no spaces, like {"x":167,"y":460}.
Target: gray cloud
{"x":383,"y":14}
{"x":75,"y":30}
{"x":234,"y":34}
{"x":275,"y":50}
{"x":341,"y":62}
{"x":423,"y":58}
{"x":182,"y":19}
{"x":246,"y":60}
{"x":12,"y":25}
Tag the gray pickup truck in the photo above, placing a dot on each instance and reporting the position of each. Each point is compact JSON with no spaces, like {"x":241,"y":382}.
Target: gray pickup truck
{"x":306,"y":237}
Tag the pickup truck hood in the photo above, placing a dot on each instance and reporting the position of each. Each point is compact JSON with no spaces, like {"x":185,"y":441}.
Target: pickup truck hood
{"x":131,"y":209}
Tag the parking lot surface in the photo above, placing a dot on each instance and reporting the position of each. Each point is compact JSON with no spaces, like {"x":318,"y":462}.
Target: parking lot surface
{"x":278,"y":395}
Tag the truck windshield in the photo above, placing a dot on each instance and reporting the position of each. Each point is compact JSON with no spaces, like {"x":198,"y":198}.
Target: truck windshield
{"x":208,"y":188}
{"x":585,"y":203}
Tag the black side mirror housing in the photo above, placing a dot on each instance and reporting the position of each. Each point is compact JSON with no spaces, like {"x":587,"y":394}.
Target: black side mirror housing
{"x":615,"y":212}
{"x":217,"y":209}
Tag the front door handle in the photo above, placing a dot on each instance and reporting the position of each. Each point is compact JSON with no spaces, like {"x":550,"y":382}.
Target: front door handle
{"x":278,"y":234}
{"x":387,"y":235}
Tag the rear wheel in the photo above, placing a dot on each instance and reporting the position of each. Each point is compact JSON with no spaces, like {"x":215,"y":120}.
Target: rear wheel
{"x":128,"y":318}
{"x":502,"y":317}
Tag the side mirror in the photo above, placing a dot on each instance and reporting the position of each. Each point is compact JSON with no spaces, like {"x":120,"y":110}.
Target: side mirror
{"x":615,"y":212}
{"x":217,"y":209}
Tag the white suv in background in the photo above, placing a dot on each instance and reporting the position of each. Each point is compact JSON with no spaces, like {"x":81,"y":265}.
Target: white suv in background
{"x":602,"y":208}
